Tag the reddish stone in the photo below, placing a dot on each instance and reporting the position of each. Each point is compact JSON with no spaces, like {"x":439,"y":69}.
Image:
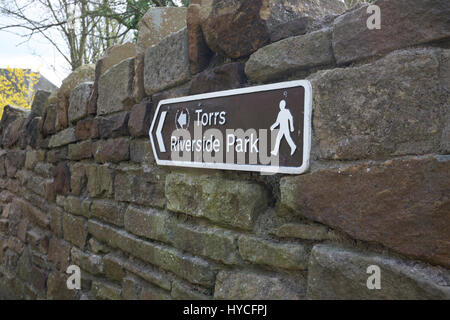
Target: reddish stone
{"x":92,"y":103}
{"x":114,"y":125}
{"x":62,"y":179}
{"x":228,"y":76}
{"x":59,"y":253}
{"x":138,"y":80}
{"x":86,"y":129}
{"x":199,"y":53}
{"x":139,"y":122}
{"x":402,"y":204}
{"x":235,"y":29}
{"x":113,"y":150}
{"x":48,"y":121}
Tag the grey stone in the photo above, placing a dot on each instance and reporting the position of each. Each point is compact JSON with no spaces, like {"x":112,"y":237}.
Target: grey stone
{"x":167,"y":63}
{"x":404,"y":23}
{"x":337,"y":272}
{"x":39,"y":102}
{"x":114,"y":55}
{"x":377,"y":109}
{"x":79,"y":98}
{"x":233,"y":203}
{"x":148,"y":273}
{"x":181,"y":291}
{"x":106,"y":291}
{"x":398,"y":203}
{"x":193,"y":269}
{"x":81,"y":74}
{"x":291,"y":256}
{"x":305,"y":231}
{"x":89,"y":262}
{"x":289,"y":56}
{"x":239,"y":285}
{"x":115,"y":88}
{"x":159,"y":23}
{"x":62,"y":138}
{"x":236,"y":29}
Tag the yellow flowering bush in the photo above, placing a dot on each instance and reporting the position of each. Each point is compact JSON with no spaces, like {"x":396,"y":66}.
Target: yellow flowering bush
{"x":17,"y":87}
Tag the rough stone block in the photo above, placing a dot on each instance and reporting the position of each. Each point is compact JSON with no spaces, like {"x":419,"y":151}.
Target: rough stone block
{"x":159,"y":23}
{"x":238,"y":28}
{"x":81,"y":74}
{"x":141,"y":151}
{"x":176,"y":92}
{"x":404,"y":23}
{"x":77,"y":206}
{"x":113,"y":150}
{"x":337,"y":272}
{"x":225,"y":77}
{"x":376,"y":110}
{"x":181,"y":291}
{"x":114,"y":125}
{"x":39,"y":102}
{"x":293,"y":256}
{"x":114,"y":55}
{"x":399,"y":203}
{"x":167,"y":63}
{"x":89,"y":262}
{"x":62,"y":179}
{"x":100,"y":180}
{"x":130,"y":288}
{"x":105,"y":291}
{"x":290,"y":56}
{"x":251,"y":286}
{"x":199,"y":53}
{"x":56,"y":155}
{"x":108,"y":211}
{"x":78,"y":178}
{"x":193,"y":269}
{"x":152,"y":293}
{"x":316,"y":232}
{"x":87,"y":129}
{"x":140,"y":187}
{"x":216,"y":244}
{"x":57,"y":287}
{"x":48,"y":121}
{"x":79,"y":98}
{"x":229,"y":202}
{"x":115,"y":88}
{"x":56,"y":220}
{"x":59,"y":254}
{"x":62,"y":138}
{"x":148,"y":273}
{"x":75,"y":230}
{"x":80,"y":151}
{"x":149,"y":223}
{"x":113,"y":266}
{"x":140,"y":119}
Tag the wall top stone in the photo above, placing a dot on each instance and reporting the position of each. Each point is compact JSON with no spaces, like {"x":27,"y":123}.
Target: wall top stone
{"x":238,"y":28}
{"x":159,"y":23}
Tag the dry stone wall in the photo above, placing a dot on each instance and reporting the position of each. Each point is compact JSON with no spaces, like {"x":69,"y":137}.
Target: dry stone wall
{"x":79,"y":184}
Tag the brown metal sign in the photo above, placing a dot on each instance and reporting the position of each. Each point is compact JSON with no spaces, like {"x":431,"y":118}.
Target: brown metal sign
{"x":264,"y":128}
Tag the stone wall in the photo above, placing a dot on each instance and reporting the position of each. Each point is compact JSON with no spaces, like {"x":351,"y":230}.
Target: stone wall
{"x":79,"y":184}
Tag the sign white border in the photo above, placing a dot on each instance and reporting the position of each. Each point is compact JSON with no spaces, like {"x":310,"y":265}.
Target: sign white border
{"x":246,"y":167}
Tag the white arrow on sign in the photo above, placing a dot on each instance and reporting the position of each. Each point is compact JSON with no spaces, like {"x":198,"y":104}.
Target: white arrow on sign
{"x":162,"y":147}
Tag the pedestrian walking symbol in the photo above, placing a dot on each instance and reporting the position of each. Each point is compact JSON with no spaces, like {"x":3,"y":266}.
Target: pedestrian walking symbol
{"x":286,"y":123}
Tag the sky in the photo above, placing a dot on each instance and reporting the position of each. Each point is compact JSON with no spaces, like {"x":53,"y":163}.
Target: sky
{"x":36,"y":54}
